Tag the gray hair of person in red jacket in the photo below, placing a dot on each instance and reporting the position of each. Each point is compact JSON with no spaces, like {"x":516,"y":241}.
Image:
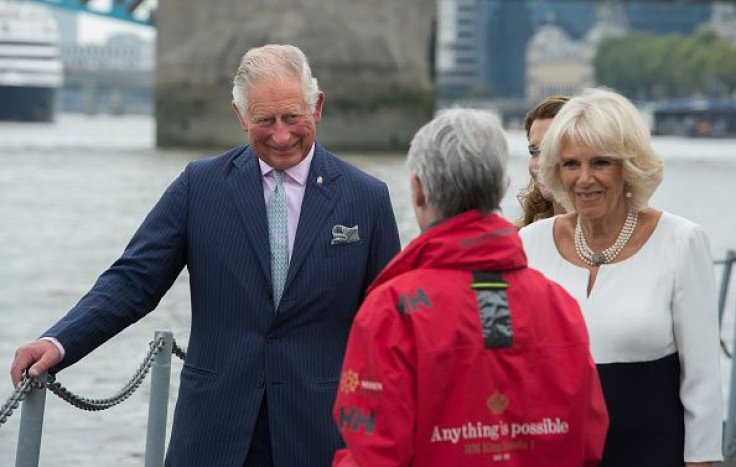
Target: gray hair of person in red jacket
{"x":457,"y":163}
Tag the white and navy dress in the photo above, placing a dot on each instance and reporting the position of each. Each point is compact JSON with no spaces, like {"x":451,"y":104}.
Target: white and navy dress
{"x":653,"y":325}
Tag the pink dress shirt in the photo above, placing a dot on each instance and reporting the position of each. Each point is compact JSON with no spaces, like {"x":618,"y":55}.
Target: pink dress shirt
{"x":295,"y":184}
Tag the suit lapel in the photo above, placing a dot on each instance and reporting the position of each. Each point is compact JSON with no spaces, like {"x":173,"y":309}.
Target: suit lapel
{"x":319,"y":202}
{"x":246,"y":187}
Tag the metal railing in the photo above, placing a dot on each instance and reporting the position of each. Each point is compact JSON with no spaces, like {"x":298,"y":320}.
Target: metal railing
{"x":32,"y":393}
{"x":729,"y":429}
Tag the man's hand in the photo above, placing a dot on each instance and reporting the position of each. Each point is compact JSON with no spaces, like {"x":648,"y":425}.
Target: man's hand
{"x":39,"y":355}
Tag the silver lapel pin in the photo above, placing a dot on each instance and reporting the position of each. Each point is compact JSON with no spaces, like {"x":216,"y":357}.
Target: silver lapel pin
{"x":319,"y":180}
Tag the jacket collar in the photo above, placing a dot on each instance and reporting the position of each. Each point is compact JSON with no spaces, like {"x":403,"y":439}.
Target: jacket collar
{"x":471,"y":241}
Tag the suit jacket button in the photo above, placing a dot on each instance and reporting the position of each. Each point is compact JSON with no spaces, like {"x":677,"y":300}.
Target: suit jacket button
{"x":270,"y":339}
{"x":259,"y":382}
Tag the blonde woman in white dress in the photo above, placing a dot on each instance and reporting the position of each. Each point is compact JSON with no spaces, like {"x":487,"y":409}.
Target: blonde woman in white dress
{"x":644,"y":280}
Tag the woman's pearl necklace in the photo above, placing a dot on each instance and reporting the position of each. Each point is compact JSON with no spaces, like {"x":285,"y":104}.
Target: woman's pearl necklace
{"x":610,"y":253}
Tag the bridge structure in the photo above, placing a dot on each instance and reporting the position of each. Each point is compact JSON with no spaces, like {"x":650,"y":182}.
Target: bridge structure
{"x":132,"y":11}
{"x":372,"y":59}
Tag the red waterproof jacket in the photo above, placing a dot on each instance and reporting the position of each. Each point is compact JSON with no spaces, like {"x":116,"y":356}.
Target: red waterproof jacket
{"x":463,"y":356}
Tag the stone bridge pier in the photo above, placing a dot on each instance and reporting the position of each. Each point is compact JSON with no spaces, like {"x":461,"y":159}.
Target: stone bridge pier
{"x":373,"y":60}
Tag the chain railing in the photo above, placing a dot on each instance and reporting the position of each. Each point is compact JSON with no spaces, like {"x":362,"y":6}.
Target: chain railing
{"x":158,"y":358}
{"x":176,"y":350}
{"x":15,"y":399}
{"x":93,"y":405}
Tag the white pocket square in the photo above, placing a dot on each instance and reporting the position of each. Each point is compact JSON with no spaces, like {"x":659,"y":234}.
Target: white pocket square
{"x":343,"y":234}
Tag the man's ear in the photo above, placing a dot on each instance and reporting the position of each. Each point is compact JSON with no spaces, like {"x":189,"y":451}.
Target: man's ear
{"x":241,"y":119}
{"x":417,"y":192}
{"x":317,"y":114}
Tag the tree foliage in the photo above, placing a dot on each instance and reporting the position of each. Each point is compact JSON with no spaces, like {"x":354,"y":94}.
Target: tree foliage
{"x":654,"y":67}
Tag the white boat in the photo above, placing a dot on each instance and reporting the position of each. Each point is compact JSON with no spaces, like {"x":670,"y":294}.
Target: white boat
{"x":31,"y":71}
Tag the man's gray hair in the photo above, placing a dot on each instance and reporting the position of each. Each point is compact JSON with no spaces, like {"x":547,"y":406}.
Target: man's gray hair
{"x":274,"y":62}
{"x":461,"y":158}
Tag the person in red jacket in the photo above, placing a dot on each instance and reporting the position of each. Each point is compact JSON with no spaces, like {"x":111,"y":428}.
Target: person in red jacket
{"x":461,"y":355}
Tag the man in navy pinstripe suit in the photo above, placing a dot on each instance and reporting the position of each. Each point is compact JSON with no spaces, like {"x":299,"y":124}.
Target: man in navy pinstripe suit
{"x":260,"y":377}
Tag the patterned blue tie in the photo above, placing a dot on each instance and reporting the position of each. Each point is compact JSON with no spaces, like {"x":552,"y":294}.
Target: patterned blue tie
{"x":278,"y":237}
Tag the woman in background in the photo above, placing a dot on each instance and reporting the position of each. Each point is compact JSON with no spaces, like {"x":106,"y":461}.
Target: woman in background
{"x":537,"y":202}
{"x":644,"y":280}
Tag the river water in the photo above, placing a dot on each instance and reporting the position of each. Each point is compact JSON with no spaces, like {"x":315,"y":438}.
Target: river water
{"x":72,"y":193}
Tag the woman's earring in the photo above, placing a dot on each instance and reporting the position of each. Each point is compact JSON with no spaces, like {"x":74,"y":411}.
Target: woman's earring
{"x":627,"y":190}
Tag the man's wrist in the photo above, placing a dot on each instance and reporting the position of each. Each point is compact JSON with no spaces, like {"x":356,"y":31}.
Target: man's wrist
{"x":58,"y":345}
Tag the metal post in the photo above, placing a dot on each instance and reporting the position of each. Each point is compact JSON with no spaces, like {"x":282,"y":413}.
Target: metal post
{"x":725,"y":280}
{"x":158,"y":404}
{"x":729,"y":431}
{"x":31,"y":426}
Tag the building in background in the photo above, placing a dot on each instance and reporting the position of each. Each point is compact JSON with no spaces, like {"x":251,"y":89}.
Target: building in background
{"x":508,"y":28}
{"x":662,"y":17}
{"x":558,"y":64}
{"x":555,"y":64}
{"x":502,"y":33}
{"x":723,"y":20}
{"x":114,"y":77}
{"x":473,"y":38}
{"x":458,"y":53}
{"x":30,"y":68}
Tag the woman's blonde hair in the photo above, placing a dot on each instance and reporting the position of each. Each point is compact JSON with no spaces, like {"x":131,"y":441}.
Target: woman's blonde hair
{"x":610,"y":124}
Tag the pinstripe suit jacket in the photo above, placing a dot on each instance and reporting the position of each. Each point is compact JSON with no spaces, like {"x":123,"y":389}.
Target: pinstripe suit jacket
{"x":212,"y":219}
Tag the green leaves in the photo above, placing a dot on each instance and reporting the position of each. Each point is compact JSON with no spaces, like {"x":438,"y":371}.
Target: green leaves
{"x":643,"y":66}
